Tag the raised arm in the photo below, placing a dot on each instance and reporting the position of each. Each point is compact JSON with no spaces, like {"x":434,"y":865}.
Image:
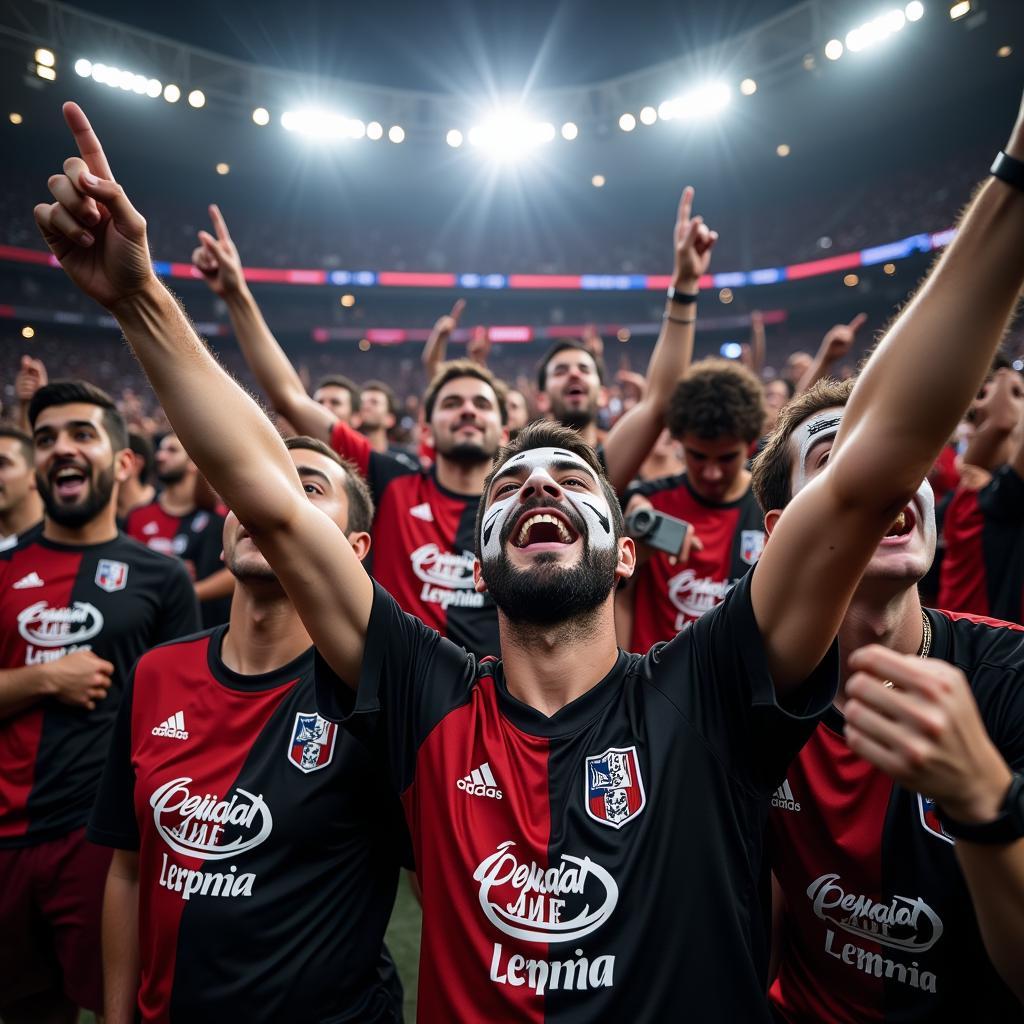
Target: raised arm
{"x":631,"y":439}
{"x":436,"y":348}
{"x":905,"y":405}
{"x":99,"y":239}
{"x":218,"y":261}
{"x":834,"y":346}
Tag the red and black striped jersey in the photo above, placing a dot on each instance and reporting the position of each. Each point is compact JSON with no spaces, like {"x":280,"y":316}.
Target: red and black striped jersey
{"x":600,"y":864}
{"x":424,"y":543}
{"x":878,"y":923}
{"x":983,"y":568}
{"x":116,"y":599}
{"x":669,"y":596}
{"x":268,"y":845}
{"x":197,"y":539}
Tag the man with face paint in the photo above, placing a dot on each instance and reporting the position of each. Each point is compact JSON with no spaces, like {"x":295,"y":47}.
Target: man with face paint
{"x":934,"y":933}
{"x":586,"y":823}
{"x":79,"y":602}
{"x":231,"y":713}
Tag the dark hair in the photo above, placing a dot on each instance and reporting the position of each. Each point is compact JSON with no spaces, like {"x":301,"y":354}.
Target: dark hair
{"x":19,"y":435}
{"x":456,"y":369}
{"x":546,"y":434}
{"x":360,"y":503}
{"x":785,"y":382}
{"x":566,"y":345}
{"x":65,"y":392}
{"x":337,"y":380}
{"x":717,"y":398}
{"x":143,"y":447}
{"x":771,"y":472}
{"x":386,"y":391}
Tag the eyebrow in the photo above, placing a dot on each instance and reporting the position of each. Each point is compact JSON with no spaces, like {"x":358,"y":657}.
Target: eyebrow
{"x":305,"y":471}
{"x":513,"y":467}
{"x":62,"y":426}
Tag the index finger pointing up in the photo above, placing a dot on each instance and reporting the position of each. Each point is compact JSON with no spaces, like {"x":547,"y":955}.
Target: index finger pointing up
{"x":219,"y":224}
{"x":88,"y":144}
{"x":686,"y":203}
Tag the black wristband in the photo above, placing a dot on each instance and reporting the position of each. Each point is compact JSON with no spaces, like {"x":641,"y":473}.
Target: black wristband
{"x":1007,"y":827}
{"x":1009,"y":169}
{"x":678,"y":319}
{"x":683,"y":298}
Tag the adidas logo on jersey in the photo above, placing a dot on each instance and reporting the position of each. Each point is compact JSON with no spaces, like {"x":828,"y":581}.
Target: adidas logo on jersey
{"x":173,"y":728}
{"x":783,"y":798}
{"x":33,"y":579}
{"x":422,"y":512}
{"x":480,"y":782}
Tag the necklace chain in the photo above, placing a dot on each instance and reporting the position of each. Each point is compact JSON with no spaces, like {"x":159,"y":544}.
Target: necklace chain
{"x":926,"y":644}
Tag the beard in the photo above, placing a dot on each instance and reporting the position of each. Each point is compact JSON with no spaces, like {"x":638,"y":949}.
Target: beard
{"x":577,"y":419}
{"x":170,"y":477}
{"x":101,"y":490}
{"x":467,"y":453}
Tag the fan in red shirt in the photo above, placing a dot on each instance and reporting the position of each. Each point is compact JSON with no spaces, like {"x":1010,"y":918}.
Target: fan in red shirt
{"x":715,"y":414}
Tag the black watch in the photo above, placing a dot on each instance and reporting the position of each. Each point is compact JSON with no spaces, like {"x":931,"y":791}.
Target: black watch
{"x":1006,"y":828}
{"x":683,"y":298}
{"x":1009,"y":169}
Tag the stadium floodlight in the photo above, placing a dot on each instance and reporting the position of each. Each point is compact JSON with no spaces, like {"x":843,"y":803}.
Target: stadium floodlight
{"x":598,"y":181}
{"x":454,"y":138}
{"x":958,"y":10}
{"x":375,"y":131}
{"x":83,"y":67}
{"x":153,"y":88}
{"x":172,"y":93}
{"x":627,"y":122}
{"x":46,"y":72}
{"x":699,"y":103}
{"x":648,"y":115}
{"x":45,"y":57}
{"x":875,"y":31}
{"x":834,"y":49}
{"x":356,"y":129}
{"x":197,"y":98}
{"x":748,"y":87}
{"x":510,"y":134}
{"x":396,"y":134}
{"x":914,"y":10}
{"x":569,"y":131}
{"x":324,"y":125}
{"x":261,"y":116}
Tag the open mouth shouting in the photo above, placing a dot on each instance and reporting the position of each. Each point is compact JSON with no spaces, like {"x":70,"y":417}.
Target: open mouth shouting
{"x":575,"y":392}
{"x":69,"y":483}
{"x":543,"y":529}
{"x":901,"y":527}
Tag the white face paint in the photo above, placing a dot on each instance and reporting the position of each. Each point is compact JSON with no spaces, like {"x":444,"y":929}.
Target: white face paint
{"x":593,"y":508}
{"x":824,"y":426}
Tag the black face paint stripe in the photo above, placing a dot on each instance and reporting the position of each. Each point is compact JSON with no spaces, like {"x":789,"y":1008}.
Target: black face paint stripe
{"x":605,"y":521}
{"x":817,"y":428}
{"x":489,"y":525}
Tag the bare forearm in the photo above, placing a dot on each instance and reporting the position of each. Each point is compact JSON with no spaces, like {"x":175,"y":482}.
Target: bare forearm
{"x":217,"y":585}
{"x":20,"y":688}
{"x":434,"y":352}
{"x":234,"y":445}
{"x":995,"y":878}
{"x":273,"y":370}
{"x":818,"y":369}
{"x":923,"y":376}
{"x":120,"y":948}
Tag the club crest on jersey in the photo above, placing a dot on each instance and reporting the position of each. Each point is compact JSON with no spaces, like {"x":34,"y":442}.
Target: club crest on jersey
{"x":311,"y":746}
{"x":751,"y":545}
{"x":929,"y":814}
{"x":613,"y":787}
{"x":111,"y":576}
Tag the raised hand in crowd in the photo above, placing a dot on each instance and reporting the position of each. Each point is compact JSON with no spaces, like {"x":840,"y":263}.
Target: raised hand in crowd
{"x":436,"y":349}
{"x":479,"y":345}
{"x":835,"y":347}
{"x":217,"y":258}
{"x":31,"y":376}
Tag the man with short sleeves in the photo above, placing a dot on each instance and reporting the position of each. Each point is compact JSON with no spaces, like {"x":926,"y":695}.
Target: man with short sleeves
{"x":249,"y":832}
{"x":576,"y":890}
{"x":79,"y":602}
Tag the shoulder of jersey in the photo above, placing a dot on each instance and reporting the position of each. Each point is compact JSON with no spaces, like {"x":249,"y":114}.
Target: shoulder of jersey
{"x":140,"y":553}
{"x":990,"y":642}
{"x":179,"y":641}
{"x":661,"y":483}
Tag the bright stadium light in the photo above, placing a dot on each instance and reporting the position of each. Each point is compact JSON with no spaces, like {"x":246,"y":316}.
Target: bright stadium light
{"x":197,"y":98}
{"x":322,"y":124}
{"x":45,"y":57}
{"x":958,"y":10}
{"x":375,"y":131}
{"x":46,"y":72}
{"x":875,"y":31}
{"x":454,"y":138}
{"x":172,"y":93}
{"x":698,"y":103}
{"x":261,"y":116}
{"x":396,"y":134}
{"x":509,"y":134}
{"x":569,"y":131}
{"x":834,"y":49}
{"x":748,"y":87}
{"x":648,"y":115}
{"x":153,"y":88}
{"x":83,"y":67}
{"x":914,"y":10}
{"x":627,"y":122}
{"x":356,"y":129}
